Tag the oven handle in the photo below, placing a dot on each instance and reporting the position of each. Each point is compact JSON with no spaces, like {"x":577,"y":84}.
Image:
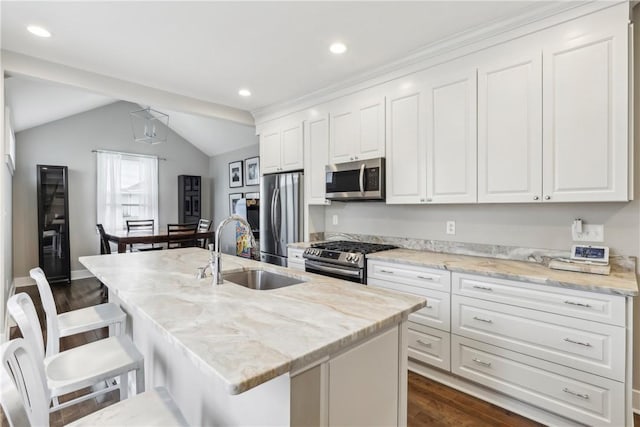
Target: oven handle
{"x":362,"y":179}
{"x":332,"y":269}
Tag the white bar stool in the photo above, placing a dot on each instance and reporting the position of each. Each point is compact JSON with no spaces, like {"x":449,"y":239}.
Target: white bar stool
{"x":25,"y":397}
{"x":76,"y":321}
{"x":80,"y":367}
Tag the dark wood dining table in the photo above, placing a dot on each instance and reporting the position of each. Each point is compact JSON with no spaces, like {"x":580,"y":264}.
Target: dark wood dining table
{"x":123,"y":237}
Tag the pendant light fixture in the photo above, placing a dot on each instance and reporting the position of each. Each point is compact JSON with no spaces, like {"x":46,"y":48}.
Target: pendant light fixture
{"x":149,"y":126}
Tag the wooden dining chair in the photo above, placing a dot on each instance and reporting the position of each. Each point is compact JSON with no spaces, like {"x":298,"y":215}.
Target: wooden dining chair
{"x":25,"y":396}
{"x":105,"y":246}
{"x":181,"y":235}
{"x":204,"y":225}
{"x":141,"y":225}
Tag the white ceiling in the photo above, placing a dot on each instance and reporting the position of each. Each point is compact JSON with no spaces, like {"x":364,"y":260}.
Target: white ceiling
{"x":208,"y":50}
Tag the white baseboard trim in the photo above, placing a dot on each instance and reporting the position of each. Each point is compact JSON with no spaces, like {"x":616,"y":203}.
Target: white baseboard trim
{"x":28,"y":281}
{"x":636,"y":401}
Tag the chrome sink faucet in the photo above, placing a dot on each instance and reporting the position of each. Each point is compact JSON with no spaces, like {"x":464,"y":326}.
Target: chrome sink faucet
{"x":214,"y":260}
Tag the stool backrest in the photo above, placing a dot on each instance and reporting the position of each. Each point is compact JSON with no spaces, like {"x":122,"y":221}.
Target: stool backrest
{"x":22,"y":310}
{"x":50,"y":311}
{"x":24,"y":395}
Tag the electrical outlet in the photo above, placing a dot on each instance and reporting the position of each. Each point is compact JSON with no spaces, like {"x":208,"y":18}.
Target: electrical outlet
{"x":451,"y":227}
{"x":590,"y":233}
{"x":335,"y":219}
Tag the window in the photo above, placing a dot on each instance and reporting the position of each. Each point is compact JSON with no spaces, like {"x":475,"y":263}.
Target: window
{"x":127,"y":189}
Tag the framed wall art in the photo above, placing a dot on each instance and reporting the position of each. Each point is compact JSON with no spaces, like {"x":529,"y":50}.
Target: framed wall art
{"x":235,"y":174}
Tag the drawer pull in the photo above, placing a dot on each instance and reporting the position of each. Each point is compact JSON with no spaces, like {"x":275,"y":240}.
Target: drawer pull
{"x":573,"y":393}
{"x":428,"y":306}
{"x":579,"y":304}
{"x":480,"y":319}
{"x":425,"y":277}
{"x":482,"y":362}
{"x":382,"y":270}
{"x":586,"y":344}
{"x":424,"y":343}
{"x":484,"y":288}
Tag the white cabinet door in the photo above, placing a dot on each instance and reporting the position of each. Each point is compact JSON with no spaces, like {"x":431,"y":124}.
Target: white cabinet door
{"x":406,"y":158}
{"x":317,"y":157}
{"x":291,"y":151}
{"x":270,"y":151}
{"x":510,"y":129}
{"x":586,"y":101}
{"x":356,"y":128}
{"x":451,"y":134}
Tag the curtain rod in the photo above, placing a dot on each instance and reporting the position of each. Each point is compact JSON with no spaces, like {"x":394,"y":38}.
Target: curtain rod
{"x":127,"y":154}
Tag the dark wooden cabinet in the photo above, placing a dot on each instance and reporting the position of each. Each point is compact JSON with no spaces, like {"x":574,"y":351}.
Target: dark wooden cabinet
{"x":189,"y":199}
{"x":53,"y":223}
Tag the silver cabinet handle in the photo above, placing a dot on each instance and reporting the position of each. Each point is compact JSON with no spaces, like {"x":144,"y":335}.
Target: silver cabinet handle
{"x":422,"y":200}
{"x":547,"y":197}
{"x":425,"y":277}
{"x":386,"y":271}
{"x":482,"y":362}
{"x":480,"y":319}
{"x":579,"y":304}
{"x":586,"y":344}
{"x":574,"y":393}
{"x":484,"y":288}
{"x":429,"y":199}
{"x":428,"y":306}
{"x":424,"y":343}
{"x":536,"y":198}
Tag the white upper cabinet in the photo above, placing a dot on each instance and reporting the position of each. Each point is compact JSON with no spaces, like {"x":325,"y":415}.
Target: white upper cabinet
{"x":586,"y":101}
{"x":431,"y":137}
{"x":356,"y":128}
{"x":281,"y":147}
{"x":316,"y":158}
{"x":510,"y":126}
{"x":406,"y":158}
{"x":451,"y":135}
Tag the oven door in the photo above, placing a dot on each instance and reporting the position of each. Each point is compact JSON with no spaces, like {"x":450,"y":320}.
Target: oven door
{"x":352,"y":274}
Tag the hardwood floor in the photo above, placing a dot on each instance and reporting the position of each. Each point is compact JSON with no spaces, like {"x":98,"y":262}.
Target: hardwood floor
{"x":430,"y":403}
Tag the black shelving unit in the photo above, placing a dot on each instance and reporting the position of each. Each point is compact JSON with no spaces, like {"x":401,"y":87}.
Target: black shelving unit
{"x":53,"y":223}
{"x":189,"y":199}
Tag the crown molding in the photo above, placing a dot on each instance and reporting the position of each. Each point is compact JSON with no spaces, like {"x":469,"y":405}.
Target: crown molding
{"x":458,"y":45}
{"x":18,"y":63}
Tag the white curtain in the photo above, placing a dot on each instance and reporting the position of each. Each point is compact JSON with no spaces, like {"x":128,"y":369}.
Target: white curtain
{"x":109,"y":189}
{"x":108,"y":192}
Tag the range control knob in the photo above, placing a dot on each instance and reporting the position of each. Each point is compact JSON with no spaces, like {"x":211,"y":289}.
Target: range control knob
{"x":355,"y":258}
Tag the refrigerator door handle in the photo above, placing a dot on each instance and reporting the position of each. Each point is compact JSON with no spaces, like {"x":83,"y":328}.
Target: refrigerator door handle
{"x":362,"y":179}
{"x":276,"y":229}
{"x":273,"y":214}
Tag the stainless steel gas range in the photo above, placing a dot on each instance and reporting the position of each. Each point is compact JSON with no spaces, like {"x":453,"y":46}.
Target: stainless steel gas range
{"x":341,"y":259}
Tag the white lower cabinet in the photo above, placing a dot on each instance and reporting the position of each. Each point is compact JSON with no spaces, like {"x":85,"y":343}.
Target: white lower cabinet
{"x":295,"y":259}
{"x":562,"y":352}
{"x":577,"y":395}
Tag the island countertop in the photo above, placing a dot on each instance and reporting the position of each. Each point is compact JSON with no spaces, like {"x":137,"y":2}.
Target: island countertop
{"x":621,"y":281}
{"x":244,"y":336}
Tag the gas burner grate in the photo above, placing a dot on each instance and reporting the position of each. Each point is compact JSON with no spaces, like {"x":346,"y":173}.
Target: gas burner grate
{"x":350,"y":246}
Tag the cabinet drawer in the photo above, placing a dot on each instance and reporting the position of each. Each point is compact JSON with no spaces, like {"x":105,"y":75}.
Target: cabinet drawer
{"x":584,"y":305}
{"x":437,"y":312}
{"x":411,"y":276}
{"x":295,"y":254}
{"x":429,"y":345}
{"x":577,"y":395}
{"x":589,"y":346}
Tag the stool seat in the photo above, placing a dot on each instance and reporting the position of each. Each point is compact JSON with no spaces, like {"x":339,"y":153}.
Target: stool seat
{"x":90,"y":318}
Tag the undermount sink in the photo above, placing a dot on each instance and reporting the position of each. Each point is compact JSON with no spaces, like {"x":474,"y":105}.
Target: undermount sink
{"x":260,"y":279}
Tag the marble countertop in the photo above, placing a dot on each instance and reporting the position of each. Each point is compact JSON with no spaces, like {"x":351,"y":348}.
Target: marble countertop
{"x":621,"y":281}
{"x":245,"y":336}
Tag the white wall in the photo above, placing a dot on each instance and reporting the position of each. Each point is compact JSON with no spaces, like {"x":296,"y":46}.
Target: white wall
{"x":69,"y":142}
{"x":219,"y":166}
{"x":6,"y":256}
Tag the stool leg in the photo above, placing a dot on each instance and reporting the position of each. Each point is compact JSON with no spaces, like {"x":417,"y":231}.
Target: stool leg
{"x":124,"y":386}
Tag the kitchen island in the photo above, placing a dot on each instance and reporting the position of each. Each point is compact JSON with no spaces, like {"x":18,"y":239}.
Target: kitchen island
{"x":323,"y":352}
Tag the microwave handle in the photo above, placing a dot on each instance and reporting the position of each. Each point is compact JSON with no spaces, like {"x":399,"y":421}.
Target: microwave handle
{"x":362,"y":178}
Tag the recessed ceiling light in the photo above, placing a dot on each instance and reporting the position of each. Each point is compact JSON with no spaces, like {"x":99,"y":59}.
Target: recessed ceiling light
{"x":244,"y":92}
{"x":338,"y":48}
{"x":38,"y":31}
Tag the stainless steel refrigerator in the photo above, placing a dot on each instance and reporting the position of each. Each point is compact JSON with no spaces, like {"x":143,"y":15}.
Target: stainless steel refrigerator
{"x":281,"y":215}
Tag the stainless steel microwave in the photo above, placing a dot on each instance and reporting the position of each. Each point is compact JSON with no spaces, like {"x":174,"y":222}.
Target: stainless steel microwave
{"x":361,"y":180}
